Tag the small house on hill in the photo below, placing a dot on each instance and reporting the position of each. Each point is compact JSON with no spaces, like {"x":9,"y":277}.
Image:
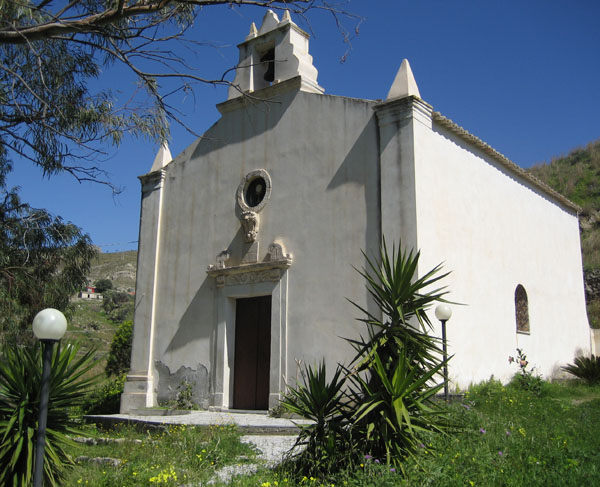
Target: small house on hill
{"x":249,"y":237}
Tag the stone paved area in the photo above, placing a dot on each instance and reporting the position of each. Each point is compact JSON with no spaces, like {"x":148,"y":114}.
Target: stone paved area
{"x":247,"y":422}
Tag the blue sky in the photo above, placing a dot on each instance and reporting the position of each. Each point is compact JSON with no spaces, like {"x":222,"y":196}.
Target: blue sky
{"x":524,"y":76}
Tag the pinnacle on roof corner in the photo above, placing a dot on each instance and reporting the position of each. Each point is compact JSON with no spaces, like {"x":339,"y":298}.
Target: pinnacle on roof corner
{"x":253,"y":32}
{"x":404,"y":83}
{"x":163,"y":157}
{"x":286,"y":19}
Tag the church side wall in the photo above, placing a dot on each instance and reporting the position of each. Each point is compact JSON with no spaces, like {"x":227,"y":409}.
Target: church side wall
{"x":321,"y":154}
{"x":494,"y":231}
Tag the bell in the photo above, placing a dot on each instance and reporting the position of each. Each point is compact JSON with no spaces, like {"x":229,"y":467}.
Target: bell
{"x":269,"y":57}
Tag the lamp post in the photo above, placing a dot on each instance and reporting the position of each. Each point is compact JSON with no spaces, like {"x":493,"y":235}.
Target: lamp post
{"x":49,"y":326}
{"x":443,"y":312}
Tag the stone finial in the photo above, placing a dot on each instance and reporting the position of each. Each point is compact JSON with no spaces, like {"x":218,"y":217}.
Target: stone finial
{"x":253,"y":32}
{"x":270,"y":22}
{"x":404,"y":84}
{"x":286,"y":19}
{"x":163,"y":157}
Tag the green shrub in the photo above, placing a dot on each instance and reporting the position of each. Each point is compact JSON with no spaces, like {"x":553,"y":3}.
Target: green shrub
{"x":526,"y":379}
{"x":384,"y":403}
{"x":119,"y":355}
{"x":103,"y":285}
{"x":106,"y":399}
{"x":117,"y":305}
{"x":396,"y":368}
{"x":20,"y":384}
{"x":585,"y":368}
{"x":328,"y":442}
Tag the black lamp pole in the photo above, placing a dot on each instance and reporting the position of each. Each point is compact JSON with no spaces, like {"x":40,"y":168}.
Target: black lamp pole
{"x":443,"y":312}
{"x":38,"y":473}
{"x":445,"y":350}
{"x":49,"y":326}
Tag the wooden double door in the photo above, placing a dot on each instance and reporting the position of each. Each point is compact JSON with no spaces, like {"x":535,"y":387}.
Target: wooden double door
{"x":252,"y":361}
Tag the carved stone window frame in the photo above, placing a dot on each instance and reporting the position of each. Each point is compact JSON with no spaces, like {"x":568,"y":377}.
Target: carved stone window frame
{"x":241,"y":191}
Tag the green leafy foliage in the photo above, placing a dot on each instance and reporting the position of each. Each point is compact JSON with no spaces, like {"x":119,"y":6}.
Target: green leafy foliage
{"x":103,"y":285}
{"x":105,"y":399}
{"x":118,"y":305}
{"x":328,"y":441}
{"x":20,"y":384}
{"x":50,"y":54}
{"x":397,"y":408}
{"x":383,"y":404}
{"x":43,"y":262}
{"x":526,"y":378}
{"x":399,"y":361}
{"x":509,"y":437}
{"x":119,"y":355}
{"x":585,"y":368}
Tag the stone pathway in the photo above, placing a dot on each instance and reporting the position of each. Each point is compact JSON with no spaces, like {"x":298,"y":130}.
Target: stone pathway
{"x":272,"y":449}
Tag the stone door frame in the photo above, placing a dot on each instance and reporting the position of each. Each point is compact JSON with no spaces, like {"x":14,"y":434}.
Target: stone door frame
{"x":224,"y":337}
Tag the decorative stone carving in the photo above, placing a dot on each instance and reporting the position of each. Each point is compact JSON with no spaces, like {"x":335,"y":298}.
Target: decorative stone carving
{"x":253,"y":277}
{"x":276,"y":252}
{"x":275,"y":263}
{"x":250,"y":226}
{"x":222,"y":258}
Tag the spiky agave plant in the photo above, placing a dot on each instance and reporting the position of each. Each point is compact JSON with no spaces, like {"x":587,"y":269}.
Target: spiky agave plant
{"x":382,"y":402}
{"x":585,"y":368}
{"x":20,"y":384}
{"x":395,"y":368}
{"x":327,"y":441}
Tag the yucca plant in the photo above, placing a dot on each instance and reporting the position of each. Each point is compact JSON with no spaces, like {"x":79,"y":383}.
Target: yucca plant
{"x":403,"y":299}
{"x":395,"y":409}
{"x":20,"y":384}
{"x":328,"y":439}
{"x":397,"y":369}
{"x":585,"y":368}
{"x":384,"y":401}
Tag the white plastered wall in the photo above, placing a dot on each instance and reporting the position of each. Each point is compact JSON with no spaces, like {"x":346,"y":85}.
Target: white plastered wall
{"x":494,"y":230}
{"x":321,"y":154}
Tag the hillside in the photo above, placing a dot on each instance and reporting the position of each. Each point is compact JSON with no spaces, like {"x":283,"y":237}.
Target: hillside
{"x":577,"y":176}
{"x":119,"y":267}
{"x":89,"y":323}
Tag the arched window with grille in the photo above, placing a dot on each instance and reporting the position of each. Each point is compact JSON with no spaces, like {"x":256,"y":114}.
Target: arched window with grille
{"x":521,"y":310}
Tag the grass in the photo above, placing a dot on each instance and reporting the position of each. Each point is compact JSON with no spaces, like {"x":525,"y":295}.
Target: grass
{"x":90,"y":326}
{"x":177,"y":455}
{"x":508,"y":437}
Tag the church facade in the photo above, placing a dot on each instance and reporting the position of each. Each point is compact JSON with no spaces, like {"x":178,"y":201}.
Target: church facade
{"x":249,"y":237}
